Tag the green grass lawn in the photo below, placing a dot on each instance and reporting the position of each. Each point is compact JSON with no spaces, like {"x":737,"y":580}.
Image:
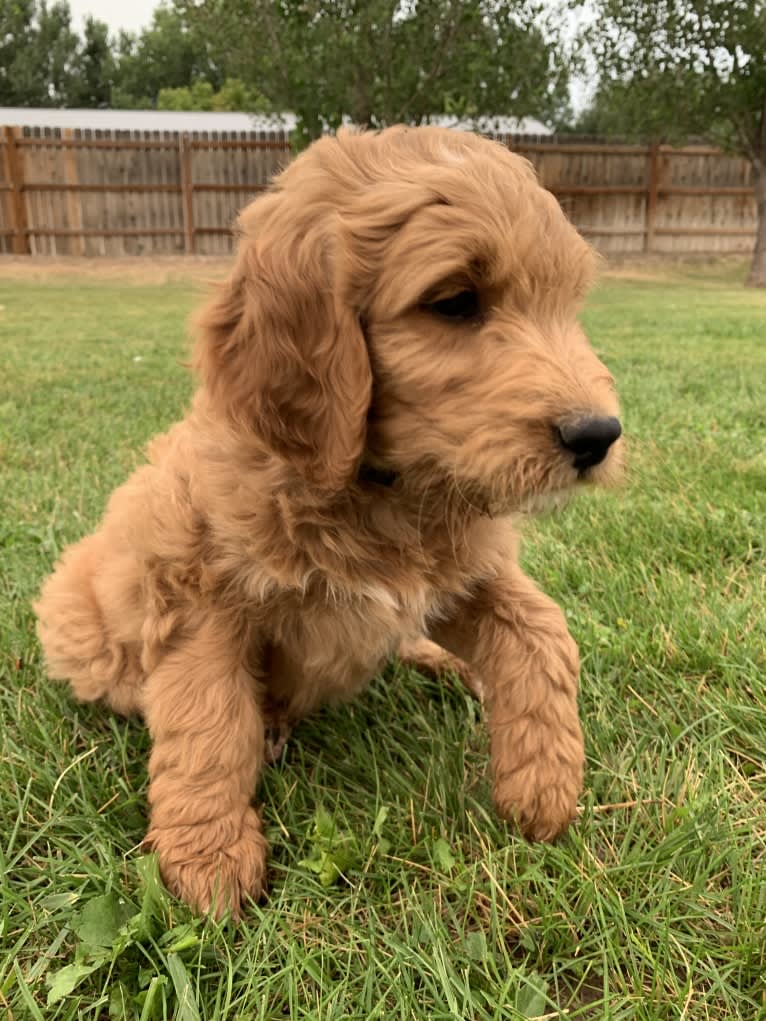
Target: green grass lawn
{"x":651,"y":907}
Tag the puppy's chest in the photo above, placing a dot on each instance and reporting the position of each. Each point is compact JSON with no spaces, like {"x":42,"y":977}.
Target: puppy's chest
{"x":329,"y":645}
{"x":356,"y":624}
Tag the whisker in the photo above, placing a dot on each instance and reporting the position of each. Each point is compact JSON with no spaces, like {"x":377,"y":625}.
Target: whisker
{"x":421,"y":506}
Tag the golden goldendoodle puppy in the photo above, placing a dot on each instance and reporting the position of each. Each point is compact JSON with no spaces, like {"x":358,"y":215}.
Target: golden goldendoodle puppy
{"x":392,"y":370}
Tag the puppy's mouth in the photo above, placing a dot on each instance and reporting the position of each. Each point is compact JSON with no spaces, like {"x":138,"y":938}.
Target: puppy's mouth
{"x":556,"y":485}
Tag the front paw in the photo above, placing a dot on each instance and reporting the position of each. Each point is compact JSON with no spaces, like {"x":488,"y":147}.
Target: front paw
{"x":541,"y":812}
{"x":216,"y":866}
{"x":540,"y":794}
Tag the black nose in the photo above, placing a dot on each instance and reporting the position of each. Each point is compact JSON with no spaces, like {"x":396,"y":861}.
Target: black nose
{"x":589,"y":439}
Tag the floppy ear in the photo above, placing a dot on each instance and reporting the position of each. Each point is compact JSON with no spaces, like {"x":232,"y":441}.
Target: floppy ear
{"x":279,"y":350}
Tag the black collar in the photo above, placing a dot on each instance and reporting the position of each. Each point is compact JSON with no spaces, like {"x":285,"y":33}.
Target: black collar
{"x":377,"y":476}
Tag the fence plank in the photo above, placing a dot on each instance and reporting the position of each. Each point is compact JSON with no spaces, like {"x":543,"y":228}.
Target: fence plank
{"x":7,"y":234}
{"x":187,"y":190}
{"x":652,"y":196}
{"x":18,"y":204}
{"x":74,"y":205}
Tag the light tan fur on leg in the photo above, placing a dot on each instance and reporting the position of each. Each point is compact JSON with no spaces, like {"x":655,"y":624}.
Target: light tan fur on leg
{"x":207,"y":732}
{"x":518,"y":640}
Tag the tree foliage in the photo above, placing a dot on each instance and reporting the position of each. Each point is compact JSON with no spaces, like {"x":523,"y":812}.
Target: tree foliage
{"x":679,"y":68}
{"x":168,"y":54}
{"x":376,"y":62}
{"x":94,"y":68}
{"x":675,"y":69}
{"x":38,"y":53}
{"x":44,"y":62}
{"x":370,"y":61}
{"x":232,"y":95}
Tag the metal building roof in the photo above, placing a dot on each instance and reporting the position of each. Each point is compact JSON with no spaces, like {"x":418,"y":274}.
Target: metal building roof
{"x":176,"y":120}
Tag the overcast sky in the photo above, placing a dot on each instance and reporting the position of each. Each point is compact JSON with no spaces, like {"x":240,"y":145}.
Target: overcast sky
{"x":133,"y":15}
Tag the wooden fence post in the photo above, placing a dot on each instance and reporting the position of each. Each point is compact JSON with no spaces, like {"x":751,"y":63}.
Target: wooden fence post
{"x":651,"y":196}
{"x":18,"y":202}
{"x":187,"y":192}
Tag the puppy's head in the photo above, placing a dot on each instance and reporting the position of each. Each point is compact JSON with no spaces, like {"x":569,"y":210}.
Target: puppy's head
{"x":412,"y":297}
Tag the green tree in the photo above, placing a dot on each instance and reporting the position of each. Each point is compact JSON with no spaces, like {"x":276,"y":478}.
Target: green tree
{"x":38,"y":53}
{"x":94,"y":69}
{"x":233,"y":95}
{"x":168,"y":54}
{"x":16,"y":21}
{"x":198,"y":96}
{"x":376,"y":62}
{"x":679,"y":68}
{"x":43,"y":62}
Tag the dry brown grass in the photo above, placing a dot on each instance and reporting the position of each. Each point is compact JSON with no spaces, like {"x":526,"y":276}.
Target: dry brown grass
{"x":163,"y":269}
{"x":138,"y":269}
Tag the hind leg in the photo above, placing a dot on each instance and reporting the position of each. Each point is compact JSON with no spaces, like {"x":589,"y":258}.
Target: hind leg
{"x":81,"y":642}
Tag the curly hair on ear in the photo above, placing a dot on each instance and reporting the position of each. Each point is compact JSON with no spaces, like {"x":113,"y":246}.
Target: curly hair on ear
{"x":279,"y":349}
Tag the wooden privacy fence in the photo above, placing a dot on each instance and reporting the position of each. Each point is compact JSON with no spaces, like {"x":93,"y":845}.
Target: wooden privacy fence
{"x":98,"y":193}
{"x":120,"y":193}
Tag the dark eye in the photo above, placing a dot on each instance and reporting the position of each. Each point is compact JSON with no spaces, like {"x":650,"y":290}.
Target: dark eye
{"x":460,"y":306}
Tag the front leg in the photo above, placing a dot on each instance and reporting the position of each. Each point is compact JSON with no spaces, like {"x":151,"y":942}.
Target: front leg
{"x":208,"y":743}
{"x":517,"y":640}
